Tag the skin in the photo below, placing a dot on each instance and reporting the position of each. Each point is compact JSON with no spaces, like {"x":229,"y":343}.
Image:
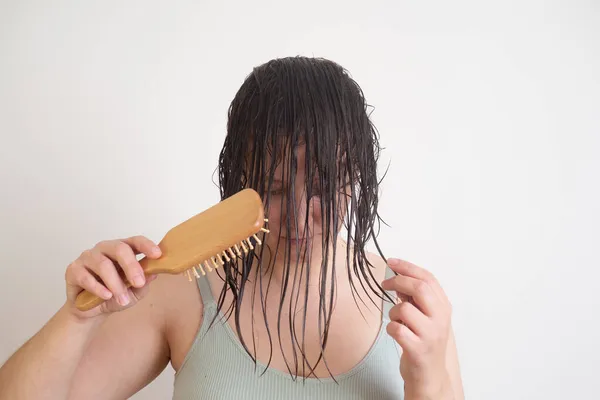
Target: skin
{"x":80,"y":354}
{"x":422,"y":327}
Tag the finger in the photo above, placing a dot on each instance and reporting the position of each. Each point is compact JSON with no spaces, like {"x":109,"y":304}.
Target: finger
{"x":403,"y":336}
{"x":124,"y":255}
{"x":420,"y":292}
{"x":107,"y":271}
{"x":409,"y":269}
{"x":412,"y":317}
{"x":399,"y":296}
{"x":139,"y":293}
{"x":143,"y":245}
{"x":80,"y":277}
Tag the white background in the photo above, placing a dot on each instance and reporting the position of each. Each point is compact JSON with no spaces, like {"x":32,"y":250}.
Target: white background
{"x":112,"y":114}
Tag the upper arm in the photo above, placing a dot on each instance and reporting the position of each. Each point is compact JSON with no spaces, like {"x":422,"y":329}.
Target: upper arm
{"x":128,"y":351}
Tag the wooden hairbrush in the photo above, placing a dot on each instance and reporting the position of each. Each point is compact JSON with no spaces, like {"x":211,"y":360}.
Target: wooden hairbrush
{"x":203,"y":242}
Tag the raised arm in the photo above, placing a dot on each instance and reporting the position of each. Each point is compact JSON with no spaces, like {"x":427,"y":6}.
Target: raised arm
{"x":109,"y":352}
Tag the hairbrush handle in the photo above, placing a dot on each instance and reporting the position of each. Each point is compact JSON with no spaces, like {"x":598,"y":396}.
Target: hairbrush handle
{"x":225,"y":231}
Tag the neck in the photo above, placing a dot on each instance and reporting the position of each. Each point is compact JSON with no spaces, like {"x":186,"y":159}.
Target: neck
{"x":305,"y":266}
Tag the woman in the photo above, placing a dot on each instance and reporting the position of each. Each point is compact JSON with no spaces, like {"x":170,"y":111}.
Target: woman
{"x":311,"y":314}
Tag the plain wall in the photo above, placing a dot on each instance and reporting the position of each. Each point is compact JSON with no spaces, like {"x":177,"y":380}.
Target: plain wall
{"x":112,"y":115}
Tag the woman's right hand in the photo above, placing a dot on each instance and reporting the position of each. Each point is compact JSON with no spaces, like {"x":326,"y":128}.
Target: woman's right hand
{"x":110,"y":260}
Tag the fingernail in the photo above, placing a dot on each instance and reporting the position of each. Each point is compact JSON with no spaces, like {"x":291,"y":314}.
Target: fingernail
{"x":138,"y":281}
{"x":106,"y":294}
{"x":393,"y":261}
{"x":156,"y":250}
{"x":152,"y":277}
{"x":123,"y":299}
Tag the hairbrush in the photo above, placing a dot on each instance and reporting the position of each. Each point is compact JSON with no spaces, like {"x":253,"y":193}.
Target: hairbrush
{"x":204,"y":242}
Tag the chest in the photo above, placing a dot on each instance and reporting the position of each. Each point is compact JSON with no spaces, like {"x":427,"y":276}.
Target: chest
{"x":290,"y":338}
{"x":288,"y":335}
{"x":372,"y":369}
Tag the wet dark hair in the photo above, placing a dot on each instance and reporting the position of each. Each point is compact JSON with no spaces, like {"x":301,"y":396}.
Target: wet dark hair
{"x":281,"y":105}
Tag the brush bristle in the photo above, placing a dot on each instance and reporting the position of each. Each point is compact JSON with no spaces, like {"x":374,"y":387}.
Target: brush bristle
{"x":246,"y":245}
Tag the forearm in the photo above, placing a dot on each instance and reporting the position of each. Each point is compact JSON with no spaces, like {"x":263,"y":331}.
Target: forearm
{"x":439,"y":391}
{"x":45,"y":365}
{"x":447,"y":395}
{"x":441,"y":396}
{"x":444,"y":395}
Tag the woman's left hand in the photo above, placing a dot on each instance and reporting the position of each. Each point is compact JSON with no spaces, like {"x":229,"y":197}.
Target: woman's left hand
{"x":421,"y":326}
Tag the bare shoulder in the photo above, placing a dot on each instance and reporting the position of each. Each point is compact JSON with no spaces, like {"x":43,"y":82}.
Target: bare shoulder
{"x":145,"y":332}
{"x":181,"y":306}
{"x":379,"y":263}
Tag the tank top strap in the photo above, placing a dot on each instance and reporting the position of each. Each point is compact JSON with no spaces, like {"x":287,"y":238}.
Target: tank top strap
{"x":205,"y":292}
{"x":387,"y":305}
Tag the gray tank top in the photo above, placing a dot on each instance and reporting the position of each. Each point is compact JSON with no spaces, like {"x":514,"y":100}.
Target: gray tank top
{"x":218,"y":367}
